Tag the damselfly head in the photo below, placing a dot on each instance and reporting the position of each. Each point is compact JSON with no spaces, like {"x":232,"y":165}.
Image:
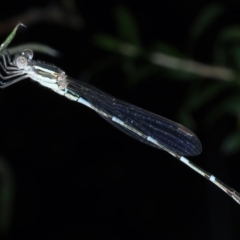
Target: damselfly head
{"x":21,"y":62}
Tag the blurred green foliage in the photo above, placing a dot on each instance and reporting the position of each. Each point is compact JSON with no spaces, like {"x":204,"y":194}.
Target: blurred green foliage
{"x":206,"y":17}
{"x":226,"y":55}
{"x":127,"y":26}
{"x":139,"y":63}
{"x":227,"y":46}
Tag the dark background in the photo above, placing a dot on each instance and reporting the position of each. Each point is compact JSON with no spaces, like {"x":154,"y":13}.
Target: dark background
{"x":75,"y":176}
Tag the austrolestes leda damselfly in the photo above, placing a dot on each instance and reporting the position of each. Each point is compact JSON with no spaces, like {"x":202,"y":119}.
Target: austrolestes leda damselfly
{"x":136,"y":122}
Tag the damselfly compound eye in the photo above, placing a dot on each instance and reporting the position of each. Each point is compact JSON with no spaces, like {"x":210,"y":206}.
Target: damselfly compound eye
{"x":21,"y":62}
{"x":28,"y":53}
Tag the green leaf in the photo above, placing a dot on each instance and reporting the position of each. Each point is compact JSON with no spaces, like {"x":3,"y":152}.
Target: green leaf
{"x":112,"y":44}
{"x":106,"y":42}
{"x":127,"y":26}
{"x":235,"y":54}
{"x":230,"y":34}
{"x":10,"y":37}
{"x":204,"y":20}
{"x":231,"y":144}
{"x":180,"y":75}
{"x":227,"y":35}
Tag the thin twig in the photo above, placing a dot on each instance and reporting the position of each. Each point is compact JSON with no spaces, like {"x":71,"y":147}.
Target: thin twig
{"x":191,"y":66}
{"x":164,"y":60}
{"x":36,"y":47}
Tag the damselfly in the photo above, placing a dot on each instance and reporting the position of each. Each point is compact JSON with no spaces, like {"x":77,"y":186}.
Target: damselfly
{"x":140,"y":124}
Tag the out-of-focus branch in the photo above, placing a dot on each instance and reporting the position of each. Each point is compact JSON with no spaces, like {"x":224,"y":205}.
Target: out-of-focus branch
{"x":164,"y":60}
{"x":36,"y":47}
{"x":190,"y":66}
{"x":51,"y":13}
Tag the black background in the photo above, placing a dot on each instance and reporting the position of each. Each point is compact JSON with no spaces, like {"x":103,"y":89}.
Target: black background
{"x":77,"y":177}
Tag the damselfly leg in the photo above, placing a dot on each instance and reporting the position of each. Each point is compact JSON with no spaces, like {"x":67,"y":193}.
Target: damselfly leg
{"x":13,"y":75}
{"x":8,"y":64}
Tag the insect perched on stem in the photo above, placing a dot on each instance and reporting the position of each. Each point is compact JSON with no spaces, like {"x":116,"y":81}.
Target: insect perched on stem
{"x":140,"y":124}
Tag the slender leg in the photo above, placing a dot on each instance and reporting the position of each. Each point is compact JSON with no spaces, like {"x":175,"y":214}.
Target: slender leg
{"x":11,"y":76}
{"x":6,"y":66}
{"x":8,"y":58}
{"x":9,"y":72}
{"x":10,"y":82}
